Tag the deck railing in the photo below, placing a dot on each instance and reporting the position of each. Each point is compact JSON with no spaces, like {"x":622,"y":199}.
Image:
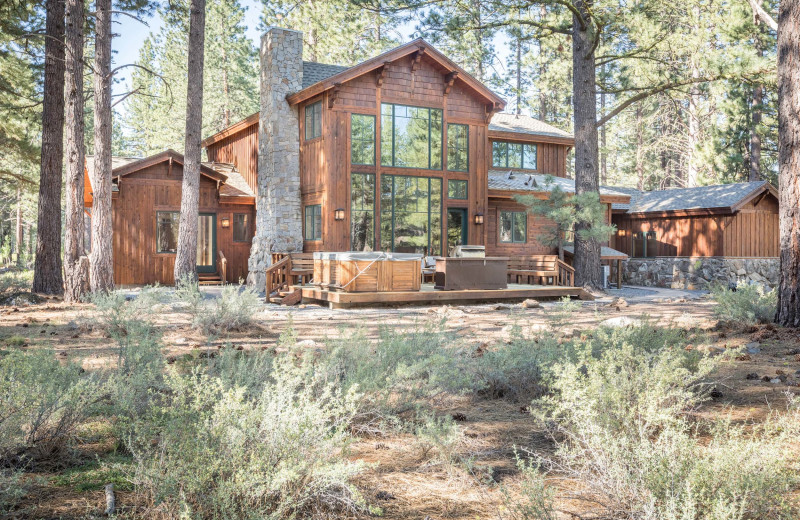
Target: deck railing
{"x":278,"y":274}
{"x":566,"y":274}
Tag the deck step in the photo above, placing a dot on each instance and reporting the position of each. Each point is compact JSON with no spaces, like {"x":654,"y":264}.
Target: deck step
{"x":287,"y":297}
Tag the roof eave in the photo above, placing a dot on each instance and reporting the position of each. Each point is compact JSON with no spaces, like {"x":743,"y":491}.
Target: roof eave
{"x":529,"y":137}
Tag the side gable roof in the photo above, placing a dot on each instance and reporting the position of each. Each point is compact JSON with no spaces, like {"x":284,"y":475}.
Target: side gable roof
{"x":158,"y":158}
{"x":418,"y":45}
{"x":720,"y":198}
{"x":504,"y":125}
{"x":314,"y":72}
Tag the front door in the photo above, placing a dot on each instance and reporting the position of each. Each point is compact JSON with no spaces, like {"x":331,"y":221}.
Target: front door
{"x":456,"y":228}
{"x":207,"y":243}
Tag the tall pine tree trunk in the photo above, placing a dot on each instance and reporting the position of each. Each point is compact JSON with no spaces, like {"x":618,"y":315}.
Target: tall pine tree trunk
{"x":584,"y":87}
{"x":788,"y":313}
{"x":639,"y":148}
{"x":18,"y":238}
{"x":226,"y":109}
{"x":186,"y":259}
{"x":75,"y":273}
{"x":101,"y":268}
{"x":755,"y":116}
{"x":47,"y":276}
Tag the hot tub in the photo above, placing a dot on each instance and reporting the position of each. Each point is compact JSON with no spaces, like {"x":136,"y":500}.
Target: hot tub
{"x":368,"y":272}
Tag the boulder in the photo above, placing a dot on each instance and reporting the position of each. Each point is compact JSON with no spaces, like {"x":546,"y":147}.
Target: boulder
{"x":530,"y":303}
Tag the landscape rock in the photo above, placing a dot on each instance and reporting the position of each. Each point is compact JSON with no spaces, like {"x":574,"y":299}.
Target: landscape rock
{"x":700,"y":273}
{"x":621,"y":321}
{"x":753,"y":348}
{"x":531,"y":304}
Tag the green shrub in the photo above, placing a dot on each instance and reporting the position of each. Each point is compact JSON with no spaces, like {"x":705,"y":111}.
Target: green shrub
{"x":42,"y":402}
{"x":748,"y":304}
{"x":619,"y":419}
{"x":118,"y":312}
{"x":12,"y":489}
{"x":233,"y":309}
{"x":241,"y":369}
{"x":210,"y":451}
{"x":16,"y":280}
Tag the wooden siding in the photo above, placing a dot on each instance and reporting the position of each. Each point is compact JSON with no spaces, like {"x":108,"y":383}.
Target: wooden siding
{"x":536,"y":227}
{"x":134,"y":226}
{"x":241,"y":150}
{"x":750,"y":232}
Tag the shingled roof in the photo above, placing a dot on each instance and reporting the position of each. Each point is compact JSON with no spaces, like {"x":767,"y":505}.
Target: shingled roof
{"x":521,"y":124}
{"x":517,"y":181}
{"x":719,"y":196}
{"x":235,"y":185}
{"x":314,"y":72}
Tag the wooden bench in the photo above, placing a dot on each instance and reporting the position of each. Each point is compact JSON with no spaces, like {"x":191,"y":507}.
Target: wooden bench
{"x":301,"y":268}
{"x":541,"y":269}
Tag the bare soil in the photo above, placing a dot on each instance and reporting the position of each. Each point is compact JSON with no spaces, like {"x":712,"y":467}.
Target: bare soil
{"x":403,"y":479}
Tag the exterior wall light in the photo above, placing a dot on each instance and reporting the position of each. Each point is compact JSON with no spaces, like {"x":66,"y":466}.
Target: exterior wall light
{"x":338,"y":214}
{"x":479,"y":218}
{"x":226,"y":223}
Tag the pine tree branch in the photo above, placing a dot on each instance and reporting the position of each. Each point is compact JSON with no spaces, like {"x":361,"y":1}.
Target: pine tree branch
{"x":760,"y":14}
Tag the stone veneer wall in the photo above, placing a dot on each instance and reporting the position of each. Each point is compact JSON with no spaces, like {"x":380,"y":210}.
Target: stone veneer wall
{"x":699,"y":272}
{"x":279,"y":224}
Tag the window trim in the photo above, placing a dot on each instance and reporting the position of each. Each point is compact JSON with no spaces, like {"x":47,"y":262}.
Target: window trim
{"x":313,"y":227}
{"x":315,"y":107}
{"x":394,"y":136}
{"x":466,"y":195}
{"x":159,"y":252}
{"x":374,"y":132}
{"x":535,"y":146}
{"x":466,"y":148}
{"x":514,"y":216}
{"x":246,"y":228}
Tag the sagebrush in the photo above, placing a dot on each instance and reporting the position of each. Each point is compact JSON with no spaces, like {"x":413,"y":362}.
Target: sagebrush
{"x":747,"y":304}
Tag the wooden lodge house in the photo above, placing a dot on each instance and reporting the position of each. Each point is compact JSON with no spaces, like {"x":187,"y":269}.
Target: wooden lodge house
{"x":405,"y":152}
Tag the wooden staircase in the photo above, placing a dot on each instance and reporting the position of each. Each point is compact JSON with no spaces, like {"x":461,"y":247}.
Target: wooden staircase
{"x":283,"y":276}
{"x":218,"y":278}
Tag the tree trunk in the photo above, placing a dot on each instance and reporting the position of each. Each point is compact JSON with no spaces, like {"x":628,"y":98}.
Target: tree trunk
{"x":186,"y":259}
{"x":788,"y":313}
{"x":584,"y":87}
{"x":226,"y":109}
{"x":519,"y":75}
{"x":101,"y":269}
{"x":18,"y":237}
{"x":75,"y":278}
{"x":639,"y":148}
{"x":47,"y":277}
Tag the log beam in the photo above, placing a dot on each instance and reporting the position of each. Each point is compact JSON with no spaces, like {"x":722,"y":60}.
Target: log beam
{"x":450,"y":79}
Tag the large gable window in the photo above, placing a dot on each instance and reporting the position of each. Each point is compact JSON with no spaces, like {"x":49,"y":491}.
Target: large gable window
{"x":362,"y":139}
{"x":411,"y":214}
{"x":313,"y":120}
{"x":514,"y":155}
{"x":457,"y":148}
{"x":513,"y":226}
{"x":411,"y":137}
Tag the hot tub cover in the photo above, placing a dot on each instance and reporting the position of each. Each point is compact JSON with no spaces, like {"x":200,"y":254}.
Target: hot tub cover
{"x":368,"y":256}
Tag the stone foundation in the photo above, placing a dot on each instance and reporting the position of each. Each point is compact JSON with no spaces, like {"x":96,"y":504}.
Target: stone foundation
{"x":699,"y":272}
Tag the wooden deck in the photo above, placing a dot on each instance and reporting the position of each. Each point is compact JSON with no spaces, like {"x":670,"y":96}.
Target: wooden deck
{"x":342,"y":300}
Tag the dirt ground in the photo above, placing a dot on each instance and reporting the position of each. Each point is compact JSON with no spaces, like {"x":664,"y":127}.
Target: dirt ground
{"x":401,"y":479}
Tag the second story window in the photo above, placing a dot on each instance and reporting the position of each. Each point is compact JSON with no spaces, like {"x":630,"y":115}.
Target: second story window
{"x":411,"y":137}
{"x":514,"y":155}
{"x":457,"y":148}
{"x":457,"y":189}
{"x":513,"y":226}
{"x":362,"y":139}
{"x":313,"y":223}
{"x":313,"y":121}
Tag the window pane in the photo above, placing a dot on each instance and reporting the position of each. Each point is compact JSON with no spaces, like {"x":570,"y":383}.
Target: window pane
{"x":362,"y":139}
{"x":457,"y":189}
{"x":520,"y":226}
{"x":167,"y":231}
{"x":411,"y":214}
{"x":499,"y":154}
{"x":457,"y":147}
{"x":362,"y":212}
{"x":387,"y":191}
{"x":436,"y":218}
{"x":240,"y":227}
{"x":411,"y":132}
{"x":514,"y":155}
{"x":529,"y":157}
{"x":436,"y":140}
{"x":505,"y":226}
{"x":386,"y":135}
{"x":313,"y":222}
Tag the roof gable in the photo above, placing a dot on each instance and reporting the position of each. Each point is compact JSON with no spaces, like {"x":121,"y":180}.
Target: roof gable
{"x":418,"y":46}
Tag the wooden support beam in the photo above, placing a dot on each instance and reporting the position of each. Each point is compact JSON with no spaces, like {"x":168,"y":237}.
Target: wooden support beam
{"x":450,"y":79}
{"x":382,"y":74}
{"x":760,"y":198}
{"x":491,"y":110}
{"x":417,"y":59}
{"x":334,"y":95}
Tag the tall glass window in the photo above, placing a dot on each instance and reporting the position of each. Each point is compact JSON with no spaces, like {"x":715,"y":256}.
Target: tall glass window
{"x":411,"y":137}
{"x":458,"y":148}
{"x":362,"y":139}
{"x":411,"y":214}
{"x":314,"y":120}
{"x":514,"y":155}
{"x":362,"y":212}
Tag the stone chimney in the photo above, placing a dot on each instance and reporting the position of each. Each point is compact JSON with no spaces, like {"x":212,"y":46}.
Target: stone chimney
{"x":279,"y":224}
